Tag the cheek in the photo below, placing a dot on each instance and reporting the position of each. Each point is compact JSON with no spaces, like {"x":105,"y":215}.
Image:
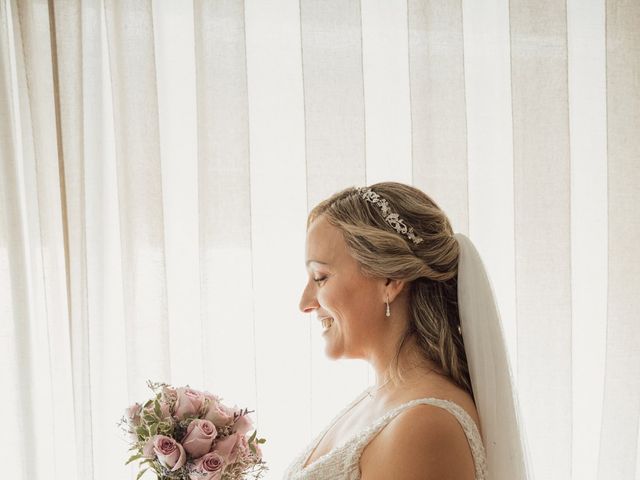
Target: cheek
{"x":333,"y":297}
{"x":345,"y":301}
{"x":326,"y":297}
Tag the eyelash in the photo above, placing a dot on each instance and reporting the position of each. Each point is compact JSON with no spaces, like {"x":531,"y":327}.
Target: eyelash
{"x":318,"y":280}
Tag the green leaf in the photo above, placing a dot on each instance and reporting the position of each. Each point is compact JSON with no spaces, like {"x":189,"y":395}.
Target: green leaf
{"x":142,"y":431}
{"x":141,"y":473}
{"x":149,"y":418}
{"x":133,"y":458}
{"x":253,"y":436}
{"x":154,"y":429}
{"x":156,"y":409}
{"x":262,"y":440}
{"x":253,"y":449}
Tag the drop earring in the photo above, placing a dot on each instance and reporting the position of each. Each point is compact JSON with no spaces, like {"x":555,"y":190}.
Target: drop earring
{"x":388,"y":311}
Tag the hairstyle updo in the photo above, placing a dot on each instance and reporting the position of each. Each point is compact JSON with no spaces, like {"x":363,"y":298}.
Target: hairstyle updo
{"x":430,"y":268}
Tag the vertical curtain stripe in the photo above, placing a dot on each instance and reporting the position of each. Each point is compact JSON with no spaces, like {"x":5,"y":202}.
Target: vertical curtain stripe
{"x":438,"y":118}
{"x":105,"y":302}
{"x":173,"y":28}
{"x":17,"y":372}
{"x":224,"y":198}
{"x":621,"y":408}
{"x":50,"y":348}
{"x":66,"y":35}
{"x":490,"y":150}
{"x":335,"y":141}
{"x":58,"y":131}
{"x":333,"y":96}
{"x":385,"y":72}
{"x":135,"y":109}
{"x":278,"y":209}
{"x":542,"y":225}
{"x":588,"y":134}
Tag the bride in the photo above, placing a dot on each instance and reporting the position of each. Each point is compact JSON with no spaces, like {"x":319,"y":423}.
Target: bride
{"x":393,"y":285}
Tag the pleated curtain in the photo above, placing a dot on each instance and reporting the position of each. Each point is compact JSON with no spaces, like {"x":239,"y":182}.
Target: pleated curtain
{"x":158,"y":160}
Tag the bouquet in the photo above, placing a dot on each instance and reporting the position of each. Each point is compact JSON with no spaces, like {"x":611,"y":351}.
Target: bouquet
{"x":186,"y":434}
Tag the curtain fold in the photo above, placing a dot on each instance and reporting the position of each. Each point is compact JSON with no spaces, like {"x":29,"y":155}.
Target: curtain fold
{"x":588,"y":137}
{"x":621,"y":402}
{"x":66,"y":33}
{"x":335,"y":140}
{"x":15,"y":335}
{"x":136,"y":133}
{"x":438,"y":113}
{"x":224,"y":193}
{"x":542,"y":204}
{"x":47,"y":388}
{"x":158,"y":160}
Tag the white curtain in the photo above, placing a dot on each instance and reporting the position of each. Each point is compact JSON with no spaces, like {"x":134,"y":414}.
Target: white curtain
{"x":158,"y":159}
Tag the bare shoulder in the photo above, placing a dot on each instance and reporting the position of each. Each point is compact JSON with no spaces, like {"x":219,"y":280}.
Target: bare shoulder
{"x":424,"y":442}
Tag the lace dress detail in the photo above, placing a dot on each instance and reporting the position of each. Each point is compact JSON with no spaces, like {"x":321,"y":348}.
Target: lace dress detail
{"x":342,"y":462}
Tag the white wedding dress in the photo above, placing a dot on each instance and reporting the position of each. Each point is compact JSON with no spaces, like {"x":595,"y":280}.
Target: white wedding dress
{"x":342,"y":462}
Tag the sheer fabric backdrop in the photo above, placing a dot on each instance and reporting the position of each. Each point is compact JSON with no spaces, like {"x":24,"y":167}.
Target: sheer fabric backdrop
{"x":158,"y":160}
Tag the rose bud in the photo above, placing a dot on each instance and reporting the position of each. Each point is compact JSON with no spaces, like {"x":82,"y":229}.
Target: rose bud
{"x":208,"y":467}
{"x":243,"y":425}
{"x":188,"y":402}
{"x":169,"y":452}
{"x":227,"y":449}
{"x":199,"y":437}
{"x":241,"y":448}
{"x":219,"y":414}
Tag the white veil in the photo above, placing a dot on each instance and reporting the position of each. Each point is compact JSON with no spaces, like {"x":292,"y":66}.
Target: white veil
{"x":496,"y":398}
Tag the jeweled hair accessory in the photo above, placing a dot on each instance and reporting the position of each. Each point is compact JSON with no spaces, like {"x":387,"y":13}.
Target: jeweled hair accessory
{"x":390,"y":216}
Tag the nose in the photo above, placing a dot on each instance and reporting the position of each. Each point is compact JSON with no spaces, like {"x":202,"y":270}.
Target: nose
{"x":308,"y":302}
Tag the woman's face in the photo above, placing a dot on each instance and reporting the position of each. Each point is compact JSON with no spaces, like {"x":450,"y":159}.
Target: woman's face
{"x":335,"y":288}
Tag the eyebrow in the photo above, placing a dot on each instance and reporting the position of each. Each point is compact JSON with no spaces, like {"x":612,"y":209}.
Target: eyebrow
{"x":315,"y":261}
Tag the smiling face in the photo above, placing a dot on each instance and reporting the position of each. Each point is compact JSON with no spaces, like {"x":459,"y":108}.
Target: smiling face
{"x":336,"y":289}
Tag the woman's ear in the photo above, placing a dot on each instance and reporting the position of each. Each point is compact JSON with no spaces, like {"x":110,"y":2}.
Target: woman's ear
{"x":393,"y":288}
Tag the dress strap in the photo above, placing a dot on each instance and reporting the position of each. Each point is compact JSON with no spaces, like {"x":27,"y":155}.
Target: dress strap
{"x":468,"y":425}
{"x":314,"y":443}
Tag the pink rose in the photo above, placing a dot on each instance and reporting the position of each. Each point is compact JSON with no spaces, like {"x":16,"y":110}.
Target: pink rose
{"x":241,"y":449}
{"x":165,"y":410}
{"x":243,"y":425}
{"x":188,"y":402}
{"x":219,"y":414}
{"x":147,"y":448}
{"x":169,"y":452}
{"x":212,"y":397}
{"x":199,"y":437}
{"x":229,"y":448}
{"x":208,"y":467}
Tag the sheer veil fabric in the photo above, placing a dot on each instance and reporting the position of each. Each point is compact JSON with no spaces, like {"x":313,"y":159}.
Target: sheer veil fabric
{"x":496,"y":398}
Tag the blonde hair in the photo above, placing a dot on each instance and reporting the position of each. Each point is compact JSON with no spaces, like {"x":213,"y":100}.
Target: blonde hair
{"x":430,"y":268}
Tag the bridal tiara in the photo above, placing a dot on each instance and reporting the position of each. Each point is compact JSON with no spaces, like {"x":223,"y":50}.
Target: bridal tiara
{"x":390,"y":216}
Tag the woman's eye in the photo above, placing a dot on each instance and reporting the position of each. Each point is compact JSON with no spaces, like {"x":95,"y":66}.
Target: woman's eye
{"x":317,"y":280}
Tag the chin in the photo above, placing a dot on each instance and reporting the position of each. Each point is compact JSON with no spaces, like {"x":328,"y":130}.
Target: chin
{"x":331,"y":354}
